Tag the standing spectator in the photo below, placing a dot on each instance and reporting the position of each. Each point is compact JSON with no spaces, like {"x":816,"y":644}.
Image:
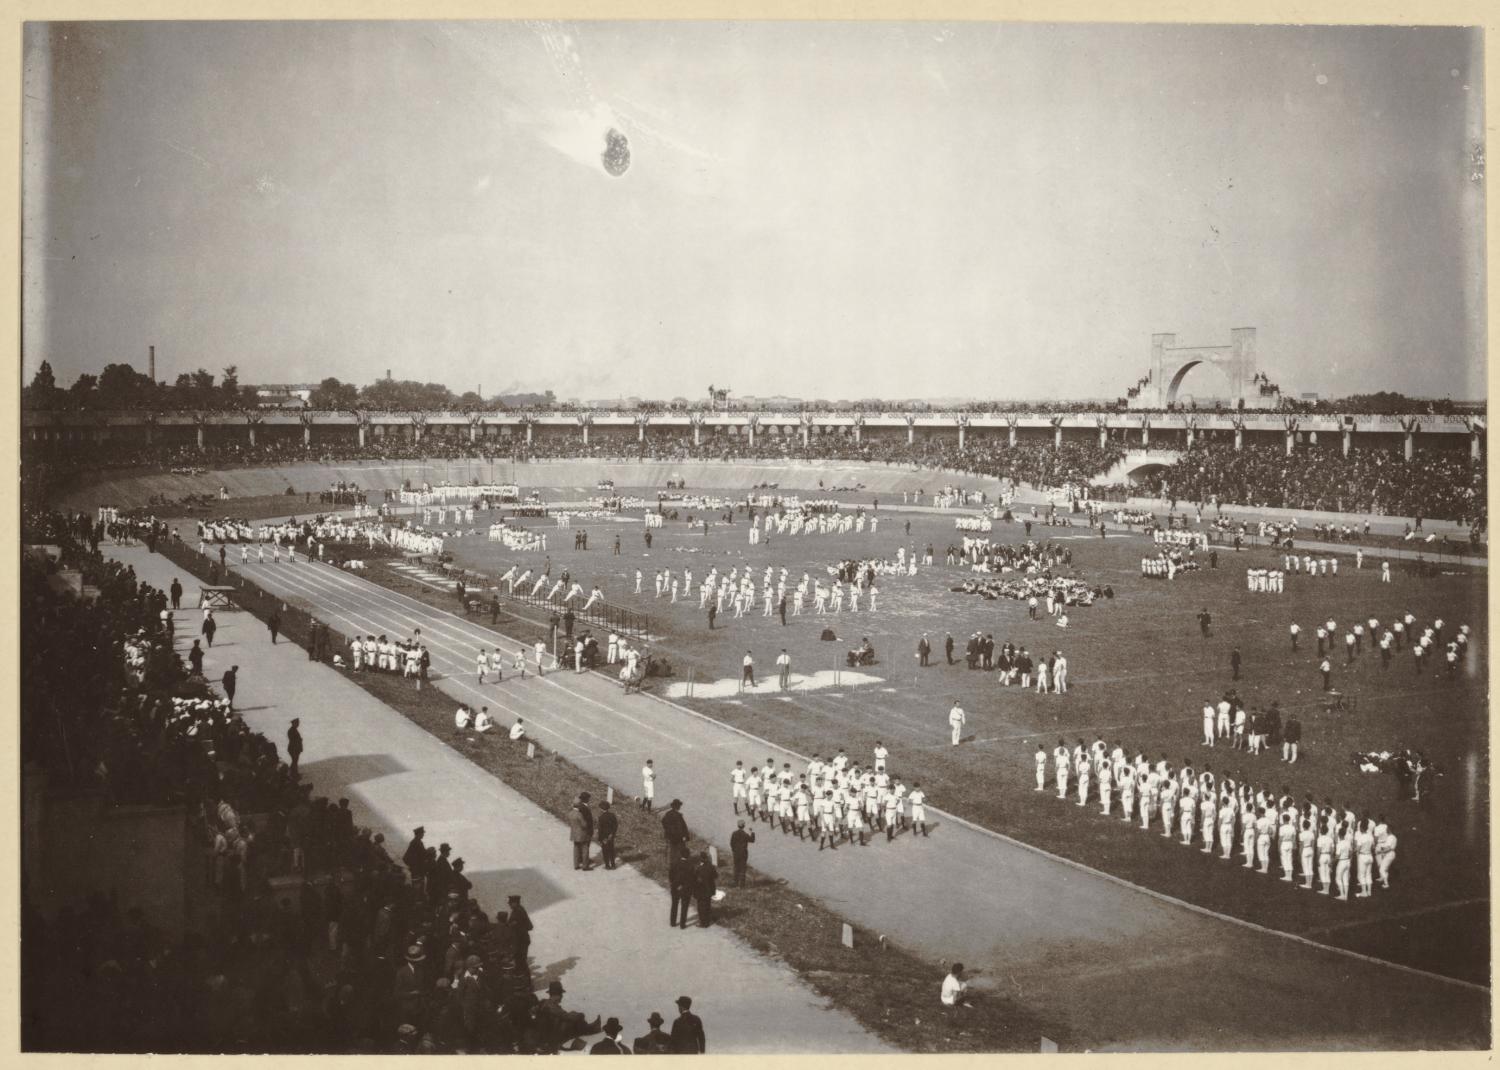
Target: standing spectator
{"x":674,"y":827}
{"x":579,"y":833}
{"x":209,"y":627}
{"x":739,"y":848}
{"x":415,"y":857}
{"x":948,"y":649}
{"x":680,"y":884}
{"x":176,"y":590}
{"x":655,"y":1042}
{"x":1205,"y":623}
{"x":1234,"y":663}
{"x":1291,"y":736}
{"x":705,"y":885}
{"x":608,"y":828}
{"x":611,"y":1045}
{"x":924,"y":651}
{"x":294,"y":745}
{"x":687,"y":1030}
{"x":273,"y":625}
{"x":231,"y":679}
{"x":520,"y":925}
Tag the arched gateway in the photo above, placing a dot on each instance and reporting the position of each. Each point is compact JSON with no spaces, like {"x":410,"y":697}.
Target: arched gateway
{"x":1170,"y":364}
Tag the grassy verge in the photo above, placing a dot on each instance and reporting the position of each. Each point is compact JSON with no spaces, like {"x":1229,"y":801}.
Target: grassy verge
{"x":888,"y":990}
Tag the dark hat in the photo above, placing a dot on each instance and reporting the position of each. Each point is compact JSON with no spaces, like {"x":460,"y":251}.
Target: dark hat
{"x":612,"y":1026}
{"x":676,"y":804}
{"x":555,"y":988}
{"x":684,"y":1002}
{"x":473,"y":961}
{"x":415,"y":953}
{"x":418,"y":831}
{"x":513,"y":898}
{"x":654,"y":1019}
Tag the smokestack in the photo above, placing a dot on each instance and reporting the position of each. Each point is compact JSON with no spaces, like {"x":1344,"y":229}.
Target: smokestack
{"x":153,"y":364}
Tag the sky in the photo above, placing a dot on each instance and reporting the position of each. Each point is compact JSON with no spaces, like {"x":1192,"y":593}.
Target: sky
{"x":825,"y":210}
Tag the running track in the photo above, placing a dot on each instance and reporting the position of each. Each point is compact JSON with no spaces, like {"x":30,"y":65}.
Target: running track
{"x":1122,"y":967}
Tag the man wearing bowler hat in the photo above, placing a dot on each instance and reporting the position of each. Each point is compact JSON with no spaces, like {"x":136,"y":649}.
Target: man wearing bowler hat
{"x":563,"y":1025}
{"x":655,"y":1042}
{"x":610,"y":1045}
{"x":687,"y":1030}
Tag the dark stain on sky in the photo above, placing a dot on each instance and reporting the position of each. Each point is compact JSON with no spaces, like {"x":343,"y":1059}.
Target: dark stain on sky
{"x":616,"y":155}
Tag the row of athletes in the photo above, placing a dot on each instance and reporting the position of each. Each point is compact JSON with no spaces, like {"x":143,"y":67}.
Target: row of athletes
{"x":833,"y":801}
{"x":740,"y":592}
{"x":409,"y":657}
{"x":1393,"y":637}
{"x":1187,"y":800}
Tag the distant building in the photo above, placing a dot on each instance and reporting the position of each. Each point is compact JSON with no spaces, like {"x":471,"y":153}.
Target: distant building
{"x":284,"y":395}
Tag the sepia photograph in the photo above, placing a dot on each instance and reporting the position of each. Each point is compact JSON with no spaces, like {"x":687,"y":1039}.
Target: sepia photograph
{"x":984,"y":520}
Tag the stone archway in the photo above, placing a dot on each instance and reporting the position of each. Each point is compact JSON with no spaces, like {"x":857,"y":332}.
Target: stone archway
{"x":1171,"y":363}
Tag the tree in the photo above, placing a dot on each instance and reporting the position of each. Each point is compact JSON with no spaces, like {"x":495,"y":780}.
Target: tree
{"x":43,"y":392}
{"x":229,"y":386}
{"x":332,"y":394}
{"x":81,"y":393}
{"x":122,"y":387}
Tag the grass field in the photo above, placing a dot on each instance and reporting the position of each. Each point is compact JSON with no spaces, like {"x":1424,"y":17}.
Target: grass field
{"x":1139,"y":675}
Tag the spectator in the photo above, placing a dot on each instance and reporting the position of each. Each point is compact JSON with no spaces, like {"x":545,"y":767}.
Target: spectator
{"x":687,"y":1030}
{"x":955,"y":989}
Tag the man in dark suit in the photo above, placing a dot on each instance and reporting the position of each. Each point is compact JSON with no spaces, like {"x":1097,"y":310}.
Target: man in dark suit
{"x":739,"y":847}
{"x":231,"y":680}
{"x":674,"y":827}
{"x":579,"y":833}
{"x":705,"y":884}
{"x":948,"y":649}
{"x":294,"y":744}
{"x":655,"y":1042}
{"x":611,"y":1045}
{"x":680,"y":883}
{"x":687,"y":1030}
{"x":415,"y":857}
{"x":520,"y":926}
{"x":924,"y":650}
{"x":606,"y":830}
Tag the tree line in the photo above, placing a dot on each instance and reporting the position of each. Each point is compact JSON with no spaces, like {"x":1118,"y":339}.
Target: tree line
{"x":121,"y":386}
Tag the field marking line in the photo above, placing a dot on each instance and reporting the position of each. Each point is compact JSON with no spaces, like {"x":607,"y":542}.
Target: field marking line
{"x":1120,"y":881}
{"x":1416,"y":912}
{"x":354,"y":613}
{"x":1082,"y":867}
{"x":466,"y":631}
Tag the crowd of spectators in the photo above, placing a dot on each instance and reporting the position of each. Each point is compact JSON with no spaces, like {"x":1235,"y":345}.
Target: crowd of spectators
{"x":362,"y":953}
{"x":1437,"y":484}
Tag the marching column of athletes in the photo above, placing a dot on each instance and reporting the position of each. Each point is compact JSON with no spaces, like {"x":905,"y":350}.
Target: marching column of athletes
{"x":1191,"y":806}
{"x":834,"y":801}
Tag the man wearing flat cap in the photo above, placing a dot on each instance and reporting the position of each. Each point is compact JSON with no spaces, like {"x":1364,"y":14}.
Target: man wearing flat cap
{"x":687,"y":1030}
{"x":655,"y":1042}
